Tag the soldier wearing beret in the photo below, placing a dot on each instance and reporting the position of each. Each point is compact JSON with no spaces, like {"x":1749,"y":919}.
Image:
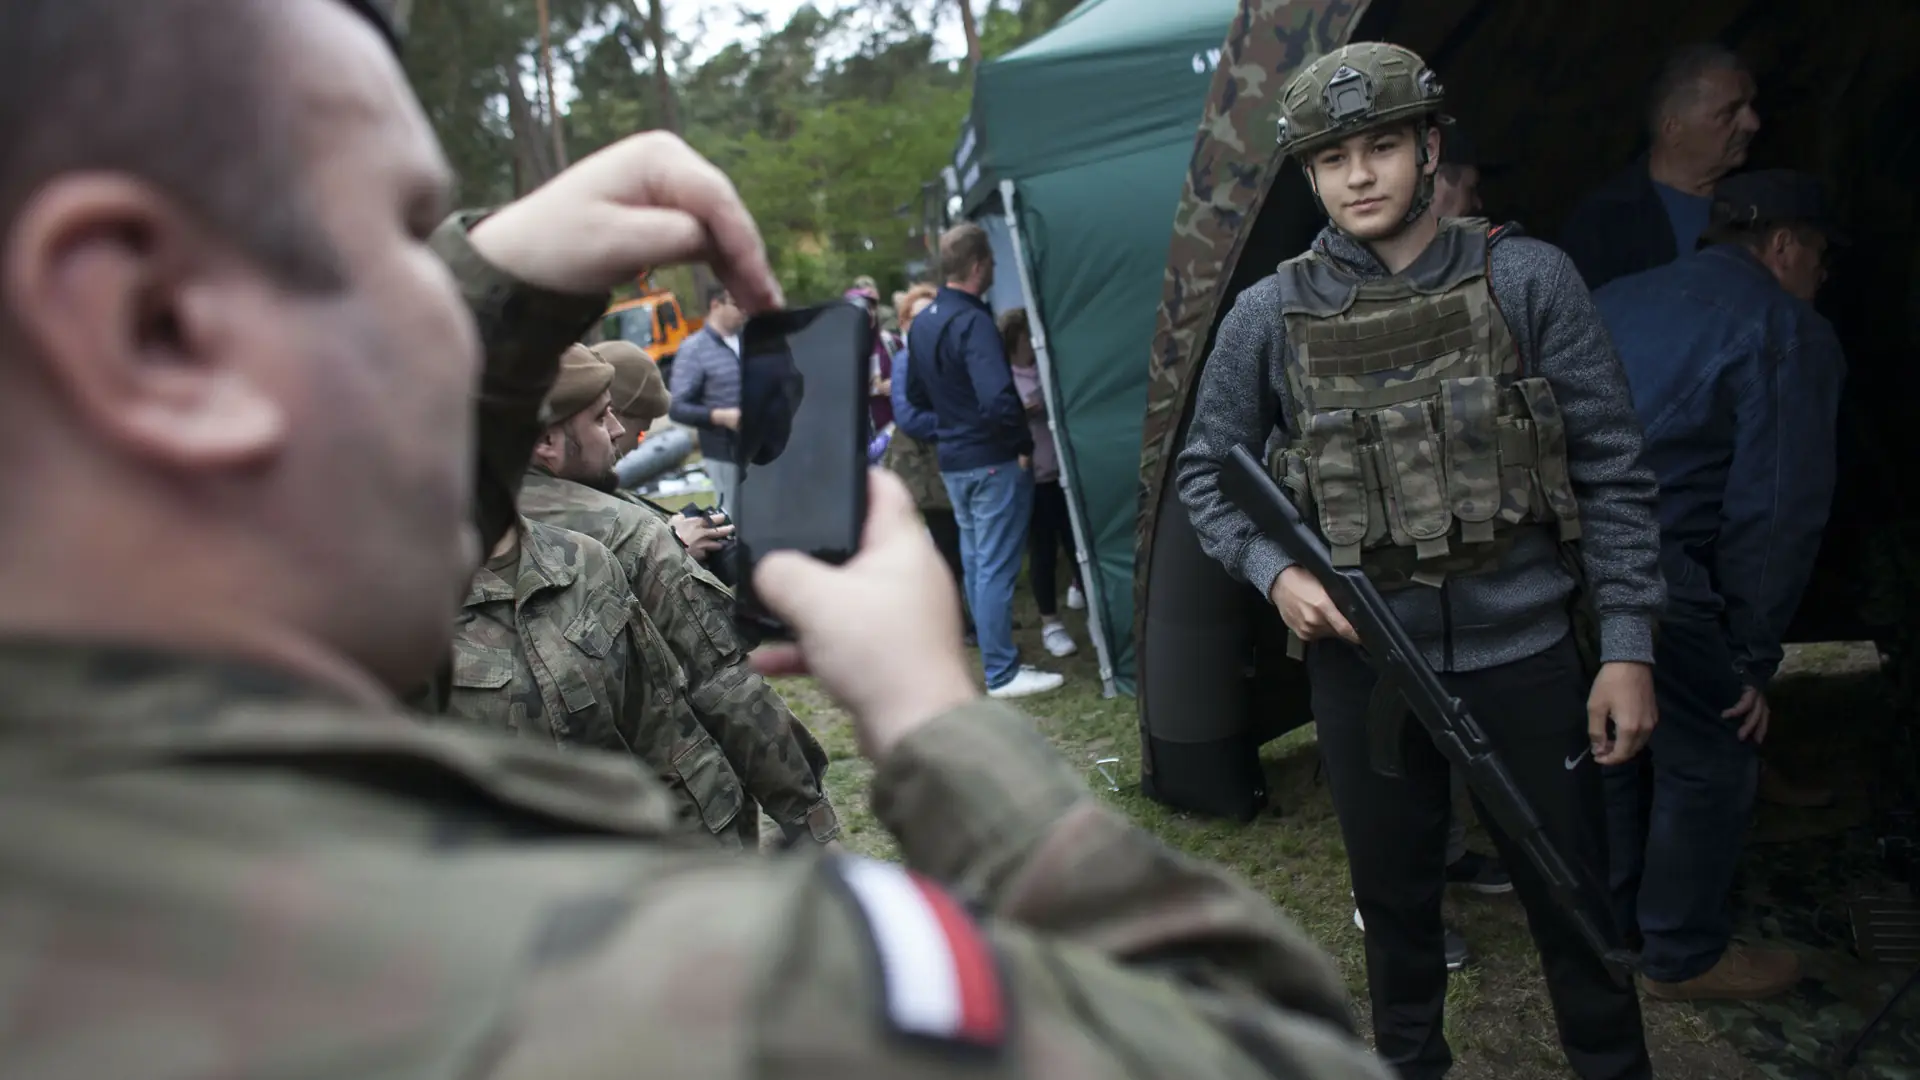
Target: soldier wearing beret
{"x":779,"y":763}
{"x":551,"y":645}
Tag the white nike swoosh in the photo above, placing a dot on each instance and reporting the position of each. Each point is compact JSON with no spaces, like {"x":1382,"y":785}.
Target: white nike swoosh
{"x":1575,"y":760}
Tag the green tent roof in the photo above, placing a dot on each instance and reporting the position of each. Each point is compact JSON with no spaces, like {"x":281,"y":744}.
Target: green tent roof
{"x":1113,"y":78}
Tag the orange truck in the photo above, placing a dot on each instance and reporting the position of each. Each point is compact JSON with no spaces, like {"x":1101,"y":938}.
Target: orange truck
{"x":653,"y":320}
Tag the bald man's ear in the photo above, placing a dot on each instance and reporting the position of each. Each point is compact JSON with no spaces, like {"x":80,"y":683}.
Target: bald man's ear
{"x":139,"y":318}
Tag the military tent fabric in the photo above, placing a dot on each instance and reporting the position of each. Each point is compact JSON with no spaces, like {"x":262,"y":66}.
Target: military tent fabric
{"x":1233,"y":162}
{"x":1094,"y":123}
{"x":1111,"y":79}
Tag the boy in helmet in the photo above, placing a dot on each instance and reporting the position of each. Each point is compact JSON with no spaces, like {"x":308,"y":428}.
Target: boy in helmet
{"x":1441,"y":399}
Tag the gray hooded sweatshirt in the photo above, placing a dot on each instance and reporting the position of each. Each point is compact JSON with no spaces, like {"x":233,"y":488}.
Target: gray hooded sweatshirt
{"x":1518,"y":609}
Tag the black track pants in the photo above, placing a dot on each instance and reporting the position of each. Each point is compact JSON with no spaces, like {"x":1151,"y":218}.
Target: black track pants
{"x":1535,"y":713}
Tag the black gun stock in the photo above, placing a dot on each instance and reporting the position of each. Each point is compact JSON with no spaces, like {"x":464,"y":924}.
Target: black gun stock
{"x":1396,"y":661}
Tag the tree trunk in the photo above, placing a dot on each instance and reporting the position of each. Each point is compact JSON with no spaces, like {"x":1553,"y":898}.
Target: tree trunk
{"x":546,"y":77}
{"x":533,"y":164}
{"x":973,"y":34}
{"x":656,"y":20}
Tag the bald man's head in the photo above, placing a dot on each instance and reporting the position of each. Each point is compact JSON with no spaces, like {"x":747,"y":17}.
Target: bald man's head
{"x":181,"y":94}
{"x":222,"y":322}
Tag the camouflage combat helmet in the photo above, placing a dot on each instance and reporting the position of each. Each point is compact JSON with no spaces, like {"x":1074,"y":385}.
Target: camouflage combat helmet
{"x":1352,"y":89}
{"x":1357,"y":88}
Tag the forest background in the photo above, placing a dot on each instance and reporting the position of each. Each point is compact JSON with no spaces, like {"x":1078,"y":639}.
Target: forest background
{"x":830,"y":120}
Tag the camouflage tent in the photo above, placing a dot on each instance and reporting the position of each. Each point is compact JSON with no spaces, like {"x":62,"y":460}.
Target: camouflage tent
{"x":1541,"y":87}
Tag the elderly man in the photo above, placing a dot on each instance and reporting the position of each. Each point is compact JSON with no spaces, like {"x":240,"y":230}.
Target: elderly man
{"x":1737,"y":382}
{"x":1701,"y":120}
{"x":240,"y":391}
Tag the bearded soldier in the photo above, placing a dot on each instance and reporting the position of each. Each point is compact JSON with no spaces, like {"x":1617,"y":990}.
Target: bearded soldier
{"x":780,"y":766}
{"x":1440,"y":398}
{"x":551,"y":646}
{"x":640,"y":397}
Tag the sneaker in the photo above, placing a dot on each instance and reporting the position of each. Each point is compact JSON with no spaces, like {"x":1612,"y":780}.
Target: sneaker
{"x":1456,"y":947}
{"x":1480,"y":873}
{"x":1028,"y":682}
{"x":1743,"y":973}
{"x":1057,"y":640}
{"x":1076,"y":600}
{"x":1457,"y":953}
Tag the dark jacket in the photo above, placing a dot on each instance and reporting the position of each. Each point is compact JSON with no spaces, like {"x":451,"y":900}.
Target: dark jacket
{"x":706,"y":376}
{"x":1519,"y":609}
{"x":1737,"y":383}
{"x":959,"y":372}
{"x":1620,"y":228}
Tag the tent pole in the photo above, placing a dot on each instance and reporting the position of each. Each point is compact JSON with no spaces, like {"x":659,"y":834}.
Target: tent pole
{"x":1089,"y":578}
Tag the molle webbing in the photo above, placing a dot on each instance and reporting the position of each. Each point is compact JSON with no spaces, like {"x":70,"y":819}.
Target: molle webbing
{"x":1403,"y":336}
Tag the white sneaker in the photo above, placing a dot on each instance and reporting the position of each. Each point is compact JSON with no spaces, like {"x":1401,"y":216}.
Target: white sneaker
{"x":1058,"y":642}
{"x":1359,"y":923}
{"x":1028,"y":682}
{"x":1076,"y":600}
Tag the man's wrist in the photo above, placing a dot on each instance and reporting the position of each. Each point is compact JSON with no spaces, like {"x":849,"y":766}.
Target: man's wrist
{"x":884,"y":726}
{"x":971,"y":794}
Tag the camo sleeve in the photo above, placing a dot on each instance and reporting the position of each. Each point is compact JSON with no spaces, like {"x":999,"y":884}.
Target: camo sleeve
{"x":774,"y":756}
{"x":1238,"y":405}
{"x":1099,"y":952}
{"x":524,"y":329}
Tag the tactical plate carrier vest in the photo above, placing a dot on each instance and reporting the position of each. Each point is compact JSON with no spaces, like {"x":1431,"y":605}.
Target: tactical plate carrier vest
{"x":1419,"y":442}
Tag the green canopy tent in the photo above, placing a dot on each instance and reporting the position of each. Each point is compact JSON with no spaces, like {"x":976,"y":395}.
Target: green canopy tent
{"x":1073,"y":159}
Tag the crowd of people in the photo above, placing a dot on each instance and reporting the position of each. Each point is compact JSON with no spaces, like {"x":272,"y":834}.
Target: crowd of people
{"x":357,"y":720}
{"x":1591,"y":482}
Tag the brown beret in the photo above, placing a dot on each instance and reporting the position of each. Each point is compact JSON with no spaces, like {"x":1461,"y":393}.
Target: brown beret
{"x":583,"y":378}
{"x":638,"y":389}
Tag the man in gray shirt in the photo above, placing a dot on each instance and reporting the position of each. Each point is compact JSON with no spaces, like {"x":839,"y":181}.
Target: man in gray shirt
{"x":706,"y":392}
{"x":1444,"y":403}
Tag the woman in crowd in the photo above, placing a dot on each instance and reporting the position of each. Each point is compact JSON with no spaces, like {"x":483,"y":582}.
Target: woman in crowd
{"x":880,"y":369}
{"x":914,"y":460}
{"x":1051,"y":530}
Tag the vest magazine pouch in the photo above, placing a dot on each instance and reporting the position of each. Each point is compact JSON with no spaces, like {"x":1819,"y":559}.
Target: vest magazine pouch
{"x":1550,"y":456}
{"x":1339,"y":487}
{"x":1469,"y":410}
{"x":1288,"y":467}
{"x":1416,"y":479}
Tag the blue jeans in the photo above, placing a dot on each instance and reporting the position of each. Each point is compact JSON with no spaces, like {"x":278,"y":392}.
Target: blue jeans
{"x":992,"y":506}
{"x":1676,"y":815}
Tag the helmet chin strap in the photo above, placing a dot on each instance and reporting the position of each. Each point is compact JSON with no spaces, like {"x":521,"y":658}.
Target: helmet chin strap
{"x":1422,"y":193}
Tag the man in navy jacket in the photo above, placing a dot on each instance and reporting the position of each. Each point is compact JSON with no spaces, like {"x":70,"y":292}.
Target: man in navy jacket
{"x":1737,"y":381}
{"x":958,"y":374}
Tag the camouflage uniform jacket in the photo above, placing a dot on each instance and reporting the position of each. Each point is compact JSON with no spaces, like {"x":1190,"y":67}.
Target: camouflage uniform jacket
{"x":562,"y":655}
{"x":212,"y":869}
{"x":779,"y":763}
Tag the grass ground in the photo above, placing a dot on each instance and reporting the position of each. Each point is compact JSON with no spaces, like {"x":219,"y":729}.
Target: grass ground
{"x":1499,"y":1021}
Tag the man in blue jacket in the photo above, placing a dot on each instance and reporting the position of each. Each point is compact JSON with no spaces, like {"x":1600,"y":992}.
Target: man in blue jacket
{"x":1736,"y":379}
{"x":959,"y":375}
